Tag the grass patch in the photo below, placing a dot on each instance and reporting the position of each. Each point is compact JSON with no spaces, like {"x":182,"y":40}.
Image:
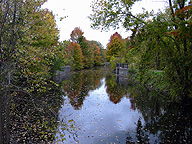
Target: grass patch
{"x":155,"y":79}
{"x":151,"y":79}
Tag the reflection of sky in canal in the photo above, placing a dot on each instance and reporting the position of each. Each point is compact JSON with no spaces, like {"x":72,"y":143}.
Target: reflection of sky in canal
{"x":100,"y":120}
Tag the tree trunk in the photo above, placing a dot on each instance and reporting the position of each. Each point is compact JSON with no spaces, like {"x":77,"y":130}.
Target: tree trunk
{"x":1,"y":106}
{"x":7,"y":118}
{"x":1,"y":117}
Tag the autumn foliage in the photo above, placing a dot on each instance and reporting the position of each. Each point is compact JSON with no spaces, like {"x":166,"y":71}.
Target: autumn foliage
{"x":114,"y":47}
{"x":28,"y":50}
{"x":76,"y":34}
{"x":97,"y":55}
{"x":116,"y":34}
{"x":76,"y":53}
{"x":90,"y":54}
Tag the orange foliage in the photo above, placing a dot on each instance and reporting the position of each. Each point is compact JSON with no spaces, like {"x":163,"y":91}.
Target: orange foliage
{"x":76,"y":33}
{"x":77,"y":55}
{"x":97,"y":59}
{"x":113,"y":36}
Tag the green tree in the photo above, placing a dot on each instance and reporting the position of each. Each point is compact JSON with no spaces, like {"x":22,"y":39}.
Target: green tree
{"x":28,"y":43}
{"x":114,"y":48}
{"x":60,"y":57}
{"x":39,"y":44}
{"x":114,"y":13}
{"x":97,"y":43}
{"x":102,"y":50}
{"x":87,"y":52}
{"x":170,"y":47}
{"x":77,"y":55}
{"x":14,"y":17}
{"x":97,"y":55}
{"x":166,"y":39}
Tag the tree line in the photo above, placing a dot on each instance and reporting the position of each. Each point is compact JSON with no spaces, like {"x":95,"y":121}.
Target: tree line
{"x":81,"y":53}
{"x":28,"y":51}
{"x":159,"y":41}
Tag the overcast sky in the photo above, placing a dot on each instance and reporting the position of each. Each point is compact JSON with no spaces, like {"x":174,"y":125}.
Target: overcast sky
{"x":78,"y":12}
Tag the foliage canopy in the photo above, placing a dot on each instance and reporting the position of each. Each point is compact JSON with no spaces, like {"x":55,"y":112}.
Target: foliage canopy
{"x":162,"y":43}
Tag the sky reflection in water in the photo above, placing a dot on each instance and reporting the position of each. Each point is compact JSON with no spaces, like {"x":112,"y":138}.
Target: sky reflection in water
{"x":99,"y":120}
{"x":100,"y":109}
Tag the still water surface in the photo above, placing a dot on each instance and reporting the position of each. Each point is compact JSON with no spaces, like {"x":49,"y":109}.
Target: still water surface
{"x":100,"y":108}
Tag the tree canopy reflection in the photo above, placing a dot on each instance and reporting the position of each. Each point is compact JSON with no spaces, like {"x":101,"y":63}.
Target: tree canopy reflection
{"x":81,"y":82}
{"x":116,"y":91}
{"x":169,"y":122}
{"x":161,"y":121}
{"x":79,"y":85}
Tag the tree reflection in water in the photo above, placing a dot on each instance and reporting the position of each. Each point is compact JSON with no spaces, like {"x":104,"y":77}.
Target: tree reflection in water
{"x":161,"y":121}
{"x":142,"y":135}
{"x":79,"y":85}
{"x":115,"y":90}
{"x":169,"y":122}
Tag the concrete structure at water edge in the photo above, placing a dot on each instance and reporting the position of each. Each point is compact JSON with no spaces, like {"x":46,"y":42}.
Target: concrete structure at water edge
{"x":64,"y":70}
{"x":63,"y":74}
{"x":122,"y":69}
{"x":107,"y":64}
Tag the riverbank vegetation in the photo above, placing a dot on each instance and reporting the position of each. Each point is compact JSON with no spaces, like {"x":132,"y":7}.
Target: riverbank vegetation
{"x":31,"y":53}
{"x":154,"y":80}
{"x":29,"y":50}
{"x":159,"y":41}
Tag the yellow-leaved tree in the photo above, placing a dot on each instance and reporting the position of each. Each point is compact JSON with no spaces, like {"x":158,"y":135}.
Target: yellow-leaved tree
{"x":114,"y":47}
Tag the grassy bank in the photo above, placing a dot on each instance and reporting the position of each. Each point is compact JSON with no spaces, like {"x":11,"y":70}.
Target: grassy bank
{"x":151,"y":79}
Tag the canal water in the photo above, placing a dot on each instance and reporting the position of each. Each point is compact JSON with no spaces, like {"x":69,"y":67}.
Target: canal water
{"x":101,"y":108}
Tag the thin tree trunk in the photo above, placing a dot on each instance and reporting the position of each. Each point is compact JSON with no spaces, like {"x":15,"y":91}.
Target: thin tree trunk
{"x":7,"y":118}
{"x":1,"y":96}
{"x":1,"y":114}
